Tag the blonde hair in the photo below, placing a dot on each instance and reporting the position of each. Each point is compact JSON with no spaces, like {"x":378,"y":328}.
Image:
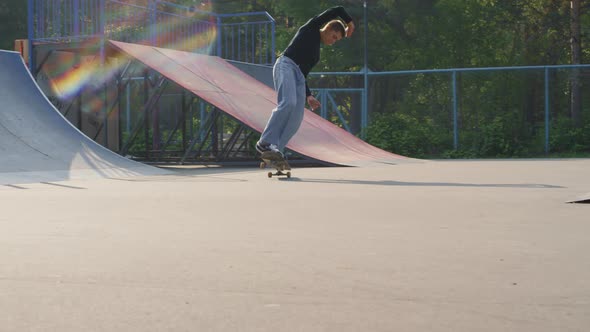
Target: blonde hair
{"x":336,"y":25}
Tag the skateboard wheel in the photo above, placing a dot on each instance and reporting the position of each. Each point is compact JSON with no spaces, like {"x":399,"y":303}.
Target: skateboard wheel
{"x":262,"y":164}
{"x":270,"y":174}
{"x":288,"y":175}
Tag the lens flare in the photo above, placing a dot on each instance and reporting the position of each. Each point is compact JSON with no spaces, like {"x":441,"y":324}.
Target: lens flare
{"x":192,"y":29}
{"x":70,"y":72}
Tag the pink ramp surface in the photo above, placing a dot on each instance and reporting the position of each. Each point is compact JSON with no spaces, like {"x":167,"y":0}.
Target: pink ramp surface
{"x":251,"y":102}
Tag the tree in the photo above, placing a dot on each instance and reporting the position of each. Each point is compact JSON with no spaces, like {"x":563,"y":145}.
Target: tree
{"x":13,"y":15}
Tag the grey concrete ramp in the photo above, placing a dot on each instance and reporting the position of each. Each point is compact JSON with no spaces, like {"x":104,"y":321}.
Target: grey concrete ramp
{"x":38,"y":144}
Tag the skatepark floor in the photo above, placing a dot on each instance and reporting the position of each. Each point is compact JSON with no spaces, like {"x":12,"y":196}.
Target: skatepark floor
{"x":434,"y":246}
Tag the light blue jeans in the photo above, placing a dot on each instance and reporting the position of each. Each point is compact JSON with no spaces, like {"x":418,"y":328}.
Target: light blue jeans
{"x":286,"y":118}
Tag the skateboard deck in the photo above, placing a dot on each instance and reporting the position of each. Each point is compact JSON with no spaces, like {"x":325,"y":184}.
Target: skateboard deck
{"x":277,"y":162}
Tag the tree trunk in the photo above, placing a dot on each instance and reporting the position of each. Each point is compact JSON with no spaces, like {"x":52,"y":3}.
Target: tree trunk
{"x":576,"y":49}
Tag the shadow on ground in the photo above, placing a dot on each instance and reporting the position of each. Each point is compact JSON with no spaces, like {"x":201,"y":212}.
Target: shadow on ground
{"x":426,"y":184}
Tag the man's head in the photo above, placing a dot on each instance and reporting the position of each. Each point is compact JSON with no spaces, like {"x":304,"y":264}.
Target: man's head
{"x":332,"y":32}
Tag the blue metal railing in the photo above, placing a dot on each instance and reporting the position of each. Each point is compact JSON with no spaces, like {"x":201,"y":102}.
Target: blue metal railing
{"x":337,"y":112}
{"x":246,"y":37}
{"x":50,"y":21}
{"x":250,"y":41}
{"x":454,"y":86}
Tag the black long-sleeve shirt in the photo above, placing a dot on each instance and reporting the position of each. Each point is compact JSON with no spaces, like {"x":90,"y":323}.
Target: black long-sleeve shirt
{"x":304,"y":48}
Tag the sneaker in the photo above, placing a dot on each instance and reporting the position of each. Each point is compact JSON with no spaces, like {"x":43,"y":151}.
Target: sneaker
{"x":274,"y":148}
{"x":262,"y":148}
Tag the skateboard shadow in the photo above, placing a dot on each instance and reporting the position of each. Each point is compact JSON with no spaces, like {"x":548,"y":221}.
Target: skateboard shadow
{"x":426,"y":184}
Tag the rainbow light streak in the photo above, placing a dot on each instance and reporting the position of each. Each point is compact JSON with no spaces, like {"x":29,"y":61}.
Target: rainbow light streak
{"x":73,"y":73}
{"x":183,"y":35}
{"x":70,"y":74}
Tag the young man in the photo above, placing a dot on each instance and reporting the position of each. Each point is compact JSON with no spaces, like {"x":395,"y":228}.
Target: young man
{"x":290,"y":72}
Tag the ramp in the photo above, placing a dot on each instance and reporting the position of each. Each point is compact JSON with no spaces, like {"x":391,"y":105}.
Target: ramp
{"x":251,"y":102}
{"x":37,"y":144}
{"x":584,"y":199}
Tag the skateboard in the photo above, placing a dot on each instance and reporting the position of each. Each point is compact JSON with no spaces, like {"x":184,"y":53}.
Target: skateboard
{"x":277,"y":162}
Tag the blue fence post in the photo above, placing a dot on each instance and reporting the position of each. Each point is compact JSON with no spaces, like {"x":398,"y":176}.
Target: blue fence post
{"x":365,"y":98}
{"x":365,"y":104}
{"x":153,"y":21}
{"x":259,"y":43}
{"x":53,"y":21}
{"x":324,"y":108}
{"x":203,"y":118}
{"x":547,"y":110}
{"x":219,"y":37}
{"x":102,"y":12}
{"x":455,"y":112}
{"x":273,"y":56}
{"x":76,"y":17}
{"x":30,"y":34}
{"x":102,"y":31}
{"x":253,"y":43}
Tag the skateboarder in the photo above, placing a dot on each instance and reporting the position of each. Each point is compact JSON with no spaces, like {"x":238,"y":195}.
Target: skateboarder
{"x":290,"y":72}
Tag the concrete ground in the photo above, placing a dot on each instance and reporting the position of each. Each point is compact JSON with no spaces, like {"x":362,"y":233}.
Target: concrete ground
{"x":436,"y":246}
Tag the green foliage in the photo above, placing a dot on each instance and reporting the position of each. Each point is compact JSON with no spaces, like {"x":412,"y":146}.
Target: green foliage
{"x":407,"y":135}
{"x":566,"y":137}
{"x":504,"y":136}
{"x":13,"y":15}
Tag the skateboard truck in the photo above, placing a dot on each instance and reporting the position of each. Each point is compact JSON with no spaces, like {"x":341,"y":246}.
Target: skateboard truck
{"x":279,"y":166}
{"x":277,"y":162}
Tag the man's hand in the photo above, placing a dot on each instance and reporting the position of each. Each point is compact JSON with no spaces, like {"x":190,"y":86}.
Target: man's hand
{"x":349,"y":29}
{"x":313,"y":103}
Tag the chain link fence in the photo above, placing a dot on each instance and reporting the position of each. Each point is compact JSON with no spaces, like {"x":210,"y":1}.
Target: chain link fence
{"x":479,"y":112}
